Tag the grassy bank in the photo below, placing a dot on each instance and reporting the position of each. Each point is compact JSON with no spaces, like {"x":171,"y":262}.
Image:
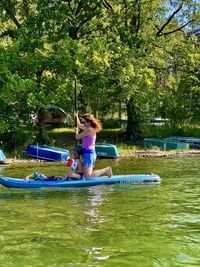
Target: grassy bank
{"x":64,"y":137}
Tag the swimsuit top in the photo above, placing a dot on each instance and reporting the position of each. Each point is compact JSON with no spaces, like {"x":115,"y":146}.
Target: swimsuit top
{"x":89,"y":140}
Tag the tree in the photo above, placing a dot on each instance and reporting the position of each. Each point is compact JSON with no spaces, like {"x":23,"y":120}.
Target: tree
{"x":149,"y":32}
{"x":129,"y":53}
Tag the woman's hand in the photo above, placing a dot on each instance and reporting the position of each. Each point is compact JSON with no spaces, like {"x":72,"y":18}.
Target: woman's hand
{"x":76,"y":114}
{"x":79,"y":124}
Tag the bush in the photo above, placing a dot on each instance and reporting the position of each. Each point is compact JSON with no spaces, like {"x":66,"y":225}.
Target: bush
{"x":115,"y":123}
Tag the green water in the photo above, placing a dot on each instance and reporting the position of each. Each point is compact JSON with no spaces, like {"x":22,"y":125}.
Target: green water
{"x":121,"y":225}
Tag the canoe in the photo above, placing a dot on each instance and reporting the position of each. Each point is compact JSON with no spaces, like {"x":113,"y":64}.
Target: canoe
{"x":103,"y":180}
{"x":104,"y":150}
{"x":164,"y":143}
{"x":47,"y":152}
{"x":193,"y":141}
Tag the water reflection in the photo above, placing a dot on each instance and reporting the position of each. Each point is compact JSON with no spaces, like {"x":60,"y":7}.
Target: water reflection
{"x":96,"y":197}
{"x":96,"y":252}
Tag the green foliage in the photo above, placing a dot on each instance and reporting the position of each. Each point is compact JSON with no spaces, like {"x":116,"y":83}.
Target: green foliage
{"x":131,"y":55}
{"x":111,"y":124}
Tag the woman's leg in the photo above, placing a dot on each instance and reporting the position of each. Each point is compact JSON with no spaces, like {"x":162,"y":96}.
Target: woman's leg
{"x":72,"y":176}
{"x":88,"y":164}
{"x":88,"y":172}
{"x":107,"y":170}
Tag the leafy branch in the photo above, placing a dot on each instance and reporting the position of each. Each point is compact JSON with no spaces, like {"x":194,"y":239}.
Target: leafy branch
{"x":161,"y":32}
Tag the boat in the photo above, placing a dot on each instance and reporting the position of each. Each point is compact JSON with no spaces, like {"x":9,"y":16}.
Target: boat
{"x":165,"y":143}
{"x":104,"y":150}
{"x":2,"y":156}
{"x":193,"y":141}
{"x":47,"y":152}
{"x":61,"y":183}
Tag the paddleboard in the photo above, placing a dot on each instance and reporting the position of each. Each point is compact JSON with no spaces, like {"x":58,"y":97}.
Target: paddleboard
{"x":101,"y":180}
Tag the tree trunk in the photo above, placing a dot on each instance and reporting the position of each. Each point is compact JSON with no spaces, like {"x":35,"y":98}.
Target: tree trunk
{"x":43,"y":137}
{"x":133,"y":131}
{"x":120,"y":110}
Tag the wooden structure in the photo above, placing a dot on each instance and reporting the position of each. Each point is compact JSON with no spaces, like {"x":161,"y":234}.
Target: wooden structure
{"x":55,"y":116}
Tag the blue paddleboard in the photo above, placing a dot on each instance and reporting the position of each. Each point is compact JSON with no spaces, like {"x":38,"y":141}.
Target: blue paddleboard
{"x":101,"y":180}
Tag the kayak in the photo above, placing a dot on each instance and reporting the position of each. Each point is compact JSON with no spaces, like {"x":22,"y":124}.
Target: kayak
{"x":101,"y":180}
{"x":47,"y":152}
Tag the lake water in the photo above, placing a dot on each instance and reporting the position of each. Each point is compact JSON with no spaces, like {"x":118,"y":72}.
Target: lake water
{"x":121,"y":225}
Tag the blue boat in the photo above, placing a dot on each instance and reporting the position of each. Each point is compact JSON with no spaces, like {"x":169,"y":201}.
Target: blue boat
{"x":2,"y":156}
{"x":193,"y":141}
{"x":47,"y":152}
{"x":61,"y":183}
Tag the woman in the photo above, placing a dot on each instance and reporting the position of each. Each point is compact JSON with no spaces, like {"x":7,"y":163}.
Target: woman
{"x":89,"y":126}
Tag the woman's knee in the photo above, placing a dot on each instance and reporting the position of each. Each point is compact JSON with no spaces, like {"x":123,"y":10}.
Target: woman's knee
{"x":88,"y":173}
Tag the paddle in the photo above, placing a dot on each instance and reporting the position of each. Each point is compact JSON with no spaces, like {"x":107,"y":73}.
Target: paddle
{"x":27,"y":177}
{"x":75,"y":105}
{"x":75,"y":98}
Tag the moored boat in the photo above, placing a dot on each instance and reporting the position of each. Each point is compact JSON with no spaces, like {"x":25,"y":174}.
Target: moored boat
{"x":193,"y":141}
{"x":164,"y":143}
{"x":47,"y":152}
{"x":2,"y":156}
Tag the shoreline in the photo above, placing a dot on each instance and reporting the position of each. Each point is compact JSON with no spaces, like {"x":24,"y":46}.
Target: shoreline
{"x":157,"y":153}
{"x":14,"y":162}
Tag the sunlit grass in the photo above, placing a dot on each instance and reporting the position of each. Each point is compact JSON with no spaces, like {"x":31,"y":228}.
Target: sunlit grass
{"x":71,"y":130}
{"x":61,"y":130}
{"x":123,"y":148}
{"x":64,"y":137}
{"x":113,"y":130}
{"x":171,"y":130}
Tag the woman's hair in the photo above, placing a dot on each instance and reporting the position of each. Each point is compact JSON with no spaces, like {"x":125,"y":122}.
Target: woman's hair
{"x":96,"y":124}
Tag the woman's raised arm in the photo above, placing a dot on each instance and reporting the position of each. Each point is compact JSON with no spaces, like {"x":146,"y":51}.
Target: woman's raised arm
{"x":79,"y":124}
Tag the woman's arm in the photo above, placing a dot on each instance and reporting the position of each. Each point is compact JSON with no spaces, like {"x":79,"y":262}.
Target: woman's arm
{"x":84,"y":133}
{"x":79,"y":124}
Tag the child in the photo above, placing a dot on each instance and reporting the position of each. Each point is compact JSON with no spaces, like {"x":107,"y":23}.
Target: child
{"x":76,"y":166}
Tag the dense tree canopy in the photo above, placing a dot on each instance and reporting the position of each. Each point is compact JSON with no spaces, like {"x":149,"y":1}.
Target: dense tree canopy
{"x":139,"y":55}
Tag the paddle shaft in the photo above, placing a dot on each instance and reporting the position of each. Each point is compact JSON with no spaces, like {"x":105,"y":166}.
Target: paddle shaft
{"x":75,"y":95}
{"x":75,"y":106}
